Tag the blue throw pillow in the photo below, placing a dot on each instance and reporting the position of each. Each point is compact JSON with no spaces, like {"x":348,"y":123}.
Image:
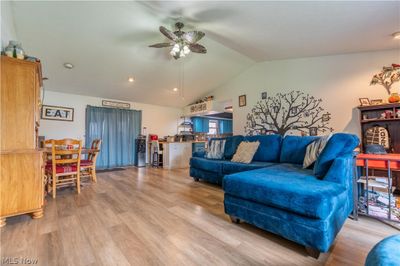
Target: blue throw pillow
{"x":294,"y":148}
{"x":375,"y":149}
{"x":231,"y":145}
{"x":340,"y":144}
{"x":269,"y":149}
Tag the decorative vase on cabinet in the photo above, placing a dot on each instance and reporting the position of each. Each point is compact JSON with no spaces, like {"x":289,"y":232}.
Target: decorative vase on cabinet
{"x":394,"y":98}
{"x":14,"y":49}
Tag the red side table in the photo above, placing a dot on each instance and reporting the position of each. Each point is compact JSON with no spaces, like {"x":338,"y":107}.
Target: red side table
{"x":386,"y":162}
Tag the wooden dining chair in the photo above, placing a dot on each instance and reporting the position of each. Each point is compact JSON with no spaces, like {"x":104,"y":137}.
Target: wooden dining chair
{"x":63,"y":167}
{"x":88,"y":166}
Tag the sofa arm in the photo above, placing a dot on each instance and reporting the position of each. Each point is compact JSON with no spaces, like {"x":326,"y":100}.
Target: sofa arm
{"x":199,"y":154}
{"x":341,"y":171}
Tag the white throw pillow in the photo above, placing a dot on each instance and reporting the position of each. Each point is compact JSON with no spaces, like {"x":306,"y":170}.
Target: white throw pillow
{"x":216,"y":149}
{"x":245,"y":152}
{"x":314,"y":149}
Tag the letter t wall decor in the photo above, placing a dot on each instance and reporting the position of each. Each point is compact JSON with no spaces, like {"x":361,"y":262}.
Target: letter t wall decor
{"x":293,"y":111}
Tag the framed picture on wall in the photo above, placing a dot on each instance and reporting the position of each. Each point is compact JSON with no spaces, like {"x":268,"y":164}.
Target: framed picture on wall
{"x":264,"y":95}
{"x":242,"y":100}
{"x":376,"y":101}
{"x":115,"y":104}
{"x":58,"y":113}
{"x":364,"y":101}
{"x":313,"y":131}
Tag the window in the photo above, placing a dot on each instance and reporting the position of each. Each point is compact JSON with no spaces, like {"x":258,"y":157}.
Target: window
{"x":213,"y":127}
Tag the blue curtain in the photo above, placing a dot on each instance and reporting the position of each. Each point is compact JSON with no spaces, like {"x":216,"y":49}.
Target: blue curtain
{"x":225,"y":126}
{"x":200,"y":124}
{"x":118,"y":129}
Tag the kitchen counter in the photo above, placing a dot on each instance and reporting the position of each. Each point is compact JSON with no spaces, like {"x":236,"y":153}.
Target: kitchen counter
{"x":177,"y":154}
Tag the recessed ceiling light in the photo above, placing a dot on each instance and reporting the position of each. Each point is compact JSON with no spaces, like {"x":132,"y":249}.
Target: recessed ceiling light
{"x":131,"y":79}
{"x":396,"y":35}
{"x":68,"y":65}
{"x":175,"y":89}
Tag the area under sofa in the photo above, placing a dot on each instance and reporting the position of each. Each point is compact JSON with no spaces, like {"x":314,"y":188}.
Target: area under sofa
{"x":275,"y":193}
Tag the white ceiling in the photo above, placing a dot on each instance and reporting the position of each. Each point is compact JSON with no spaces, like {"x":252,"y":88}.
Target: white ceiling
{"x":107,"y":41}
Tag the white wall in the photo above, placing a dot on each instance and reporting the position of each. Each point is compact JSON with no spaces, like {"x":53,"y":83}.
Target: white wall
{"x":158,"y":119}
{"x":7,"y":24}
{"x":340,"y":80}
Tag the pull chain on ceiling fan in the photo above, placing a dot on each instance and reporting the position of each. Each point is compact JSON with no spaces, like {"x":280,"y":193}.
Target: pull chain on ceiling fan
{"x":183,"y":42}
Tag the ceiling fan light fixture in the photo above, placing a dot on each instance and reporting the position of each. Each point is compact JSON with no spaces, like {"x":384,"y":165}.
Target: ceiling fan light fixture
{"x":396,"y":35}
{"x":183,"y":43}
{"x":186,"y":50}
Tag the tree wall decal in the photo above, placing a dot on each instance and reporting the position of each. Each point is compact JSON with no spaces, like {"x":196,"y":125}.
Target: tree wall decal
{"x":288,"y":111}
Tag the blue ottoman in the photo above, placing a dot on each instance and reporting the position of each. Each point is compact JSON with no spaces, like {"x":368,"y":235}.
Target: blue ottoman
{"x":385,"y":253}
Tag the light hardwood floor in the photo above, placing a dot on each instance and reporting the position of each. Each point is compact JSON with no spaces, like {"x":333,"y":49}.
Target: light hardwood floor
{"x":159,"y":217}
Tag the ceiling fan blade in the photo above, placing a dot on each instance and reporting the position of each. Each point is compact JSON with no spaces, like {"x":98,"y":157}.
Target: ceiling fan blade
{"x":193,"y":36}
{"x":161,"y":45}
{"x":197,"y":48}
{"x":167,"y":33}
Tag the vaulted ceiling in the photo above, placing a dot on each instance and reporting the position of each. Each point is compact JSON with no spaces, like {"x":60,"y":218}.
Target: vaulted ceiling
{"x":108,"y":41}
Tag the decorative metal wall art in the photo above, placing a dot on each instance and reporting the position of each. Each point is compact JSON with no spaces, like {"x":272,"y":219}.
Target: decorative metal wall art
{"x":283,"y":112}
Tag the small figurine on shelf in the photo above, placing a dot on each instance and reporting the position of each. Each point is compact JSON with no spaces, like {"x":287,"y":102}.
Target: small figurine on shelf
{"x":387,"y":114}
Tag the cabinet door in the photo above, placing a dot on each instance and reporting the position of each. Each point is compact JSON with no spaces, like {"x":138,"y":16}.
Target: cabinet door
{"x":21,"y":187}
{"x":174,"y":155}
{"x":18,"y":101}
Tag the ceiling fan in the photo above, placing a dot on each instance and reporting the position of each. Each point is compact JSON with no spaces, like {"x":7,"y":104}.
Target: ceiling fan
{"x":183,"y":42}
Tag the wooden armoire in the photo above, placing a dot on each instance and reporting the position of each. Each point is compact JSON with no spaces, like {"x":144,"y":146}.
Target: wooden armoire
{"x":21,"y":161}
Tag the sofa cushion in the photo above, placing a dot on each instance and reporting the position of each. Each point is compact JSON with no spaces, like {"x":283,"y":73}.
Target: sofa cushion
{"x":86,"y":163}
{"x":288,"y":187}
{"x":61,"y":169}
{"x":269,"y":149}
{"x":232,"y":167}
{"x":207,"y":164}
{"x":340,"y":144}
{"x":294,"y":149}
{"x":231,"y":145}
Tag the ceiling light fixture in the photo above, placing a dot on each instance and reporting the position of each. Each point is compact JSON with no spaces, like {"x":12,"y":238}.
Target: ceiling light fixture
{"x":131,"y":79}
{"x":182,"y":42}
{"x":175,"y":89}
{"x":68,"y":65}
{"x":396,"y":35}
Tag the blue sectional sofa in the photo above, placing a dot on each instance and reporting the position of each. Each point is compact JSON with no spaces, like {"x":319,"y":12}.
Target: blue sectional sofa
{"x":274,"y":192}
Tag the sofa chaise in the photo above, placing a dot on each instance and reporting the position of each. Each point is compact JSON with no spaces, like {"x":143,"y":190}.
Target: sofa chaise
{"x":275,"y":193}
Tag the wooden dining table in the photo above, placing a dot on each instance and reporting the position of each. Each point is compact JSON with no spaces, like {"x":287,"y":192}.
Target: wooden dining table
{"x":83,"y":150}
